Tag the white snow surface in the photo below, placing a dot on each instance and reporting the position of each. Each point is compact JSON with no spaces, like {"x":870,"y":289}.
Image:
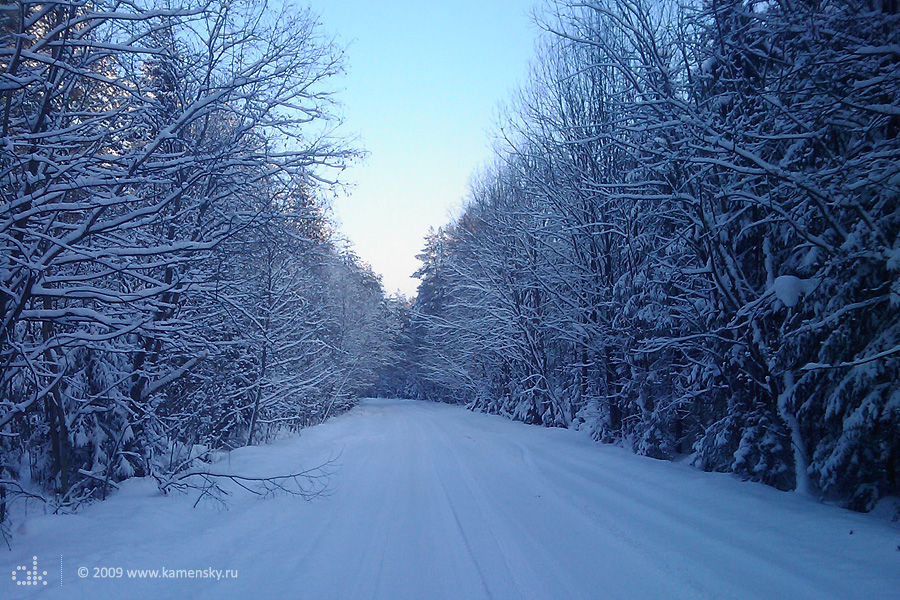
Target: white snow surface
{"x":433,"y":501}
{"x":789,"y":288}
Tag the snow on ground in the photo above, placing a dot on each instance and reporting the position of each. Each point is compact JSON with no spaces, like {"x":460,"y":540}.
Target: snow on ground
{"x":432,"y":501}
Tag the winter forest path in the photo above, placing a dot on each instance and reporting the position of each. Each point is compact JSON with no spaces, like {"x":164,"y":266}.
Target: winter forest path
{"x":432,"y":501}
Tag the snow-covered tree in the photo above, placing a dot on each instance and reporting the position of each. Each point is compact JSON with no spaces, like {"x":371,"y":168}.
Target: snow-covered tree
{"x":145,"y":147}
{"x":690,"y":243}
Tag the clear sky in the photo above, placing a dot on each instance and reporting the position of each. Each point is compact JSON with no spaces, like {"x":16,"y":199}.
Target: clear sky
{"x":423,"y":85}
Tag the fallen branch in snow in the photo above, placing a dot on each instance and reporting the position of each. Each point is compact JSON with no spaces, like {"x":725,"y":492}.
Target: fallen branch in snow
{"x":307,"y":484}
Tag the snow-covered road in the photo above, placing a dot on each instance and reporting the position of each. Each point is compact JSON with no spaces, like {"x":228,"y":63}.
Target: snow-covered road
{"x":432,"y":501}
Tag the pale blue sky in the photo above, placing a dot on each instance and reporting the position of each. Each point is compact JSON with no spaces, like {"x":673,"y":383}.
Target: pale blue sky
{"x":423,"y":85}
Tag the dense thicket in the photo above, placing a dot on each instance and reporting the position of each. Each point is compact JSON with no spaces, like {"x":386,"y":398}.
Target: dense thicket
{"x":689,"y":242}
{"x":168,"y":280}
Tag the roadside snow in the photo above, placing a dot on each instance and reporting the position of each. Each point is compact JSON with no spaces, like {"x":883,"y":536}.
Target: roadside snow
{"x":432,"y":501}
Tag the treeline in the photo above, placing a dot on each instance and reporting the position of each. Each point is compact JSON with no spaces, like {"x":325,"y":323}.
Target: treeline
{"x":169,"y":282}
{"x":688,"y":244}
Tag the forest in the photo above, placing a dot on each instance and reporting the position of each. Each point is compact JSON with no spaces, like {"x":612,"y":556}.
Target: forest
{"x":170,"y":284}
{"x":688,"y":243}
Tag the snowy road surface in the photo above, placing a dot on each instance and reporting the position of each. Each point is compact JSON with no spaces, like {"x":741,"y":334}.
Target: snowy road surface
{"x":432,"y":501}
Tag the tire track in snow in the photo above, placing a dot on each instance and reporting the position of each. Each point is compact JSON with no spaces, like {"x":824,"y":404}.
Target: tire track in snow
{"x":451,"y":500}
{"x":583,"y":526}
{"x":672,"y":542}
{"x":677,"y":530}
{"x":503,"y":526}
